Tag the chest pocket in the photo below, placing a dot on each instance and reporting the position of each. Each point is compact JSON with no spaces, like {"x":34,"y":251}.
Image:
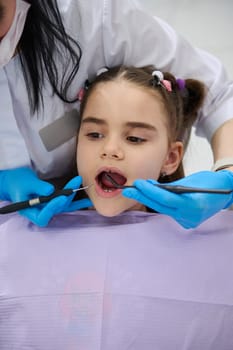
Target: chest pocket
{"x":60,"y":130}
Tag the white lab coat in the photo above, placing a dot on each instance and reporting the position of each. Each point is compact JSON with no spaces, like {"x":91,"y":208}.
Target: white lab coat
{"x":110,"y":33}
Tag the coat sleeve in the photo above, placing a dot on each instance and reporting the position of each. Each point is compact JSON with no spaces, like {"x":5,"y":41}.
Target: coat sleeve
{"x":133,"y":36}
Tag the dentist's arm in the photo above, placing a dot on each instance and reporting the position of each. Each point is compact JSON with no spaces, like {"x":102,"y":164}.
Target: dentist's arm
{"x":222,"y":146}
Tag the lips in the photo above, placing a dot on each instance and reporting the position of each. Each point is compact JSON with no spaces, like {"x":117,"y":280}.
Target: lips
{"x":105,"y":183}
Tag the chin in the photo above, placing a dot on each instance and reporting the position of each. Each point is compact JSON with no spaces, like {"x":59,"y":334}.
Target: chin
{"x":110,"y":212}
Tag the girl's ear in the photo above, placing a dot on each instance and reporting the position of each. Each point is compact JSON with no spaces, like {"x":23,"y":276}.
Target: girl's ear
{"x":173,"y":158}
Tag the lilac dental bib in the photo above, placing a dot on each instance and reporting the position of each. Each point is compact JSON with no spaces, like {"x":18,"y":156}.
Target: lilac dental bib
{"x":137,"y":281}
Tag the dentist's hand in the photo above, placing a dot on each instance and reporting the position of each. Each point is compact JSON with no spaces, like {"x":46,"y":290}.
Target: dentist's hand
{"x":41,"y":215}
{"x":188,"y":209}
{"x":23,"y":184}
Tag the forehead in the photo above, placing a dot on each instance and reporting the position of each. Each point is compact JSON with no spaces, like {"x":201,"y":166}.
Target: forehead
{"x":126,"y":91}
{"x":119,"y":102}
{"x":123,"y":94}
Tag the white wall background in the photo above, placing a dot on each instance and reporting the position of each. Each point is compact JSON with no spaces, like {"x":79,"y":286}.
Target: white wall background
{"x":207,"y":24}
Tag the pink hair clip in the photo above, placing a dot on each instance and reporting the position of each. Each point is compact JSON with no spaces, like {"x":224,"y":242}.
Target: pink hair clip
{"x":81,"y":94}
{"x":83,"y":90}
{"x":167,"y":84}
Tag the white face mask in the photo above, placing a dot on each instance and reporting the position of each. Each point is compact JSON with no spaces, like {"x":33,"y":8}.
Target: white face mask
{"x":10,"y":41}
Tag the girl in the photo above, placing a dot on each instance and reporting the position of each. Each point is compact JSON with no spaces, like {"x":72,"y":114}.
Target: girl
{"x":135,"y":124}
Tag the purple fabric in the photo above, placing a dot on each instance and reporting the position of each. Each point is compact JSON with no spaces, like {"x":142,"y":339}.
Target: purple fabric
{"x":138,"y":281}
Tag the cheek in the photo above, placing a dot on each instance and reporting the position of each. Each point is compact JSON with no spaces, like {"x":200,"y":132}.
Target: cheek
{"x":86,"y":156}
{"x":81,"y":156}
{"x":149,"y":166}
{"x":148,"y":170}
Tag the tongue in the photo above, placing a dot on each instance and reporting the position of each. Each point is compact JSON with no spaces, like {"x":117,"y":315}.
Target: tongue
{"x":119,"y":179}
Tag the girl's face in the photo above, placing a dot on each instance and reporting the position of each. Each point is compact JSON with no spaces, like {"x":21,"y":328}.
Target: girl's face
{"x":123,"y":132}
{"x":7,"y":12}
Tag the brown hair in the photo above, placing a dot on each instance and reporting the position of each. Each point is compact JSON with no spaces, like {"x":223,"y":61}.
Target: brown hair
{"x":181,"y":105}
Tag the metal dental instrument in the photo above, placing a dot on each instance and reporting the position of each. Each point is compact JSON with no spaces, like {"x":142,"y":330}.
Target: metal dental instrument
{"x":174,"y":188}
{"x":38,"y":200}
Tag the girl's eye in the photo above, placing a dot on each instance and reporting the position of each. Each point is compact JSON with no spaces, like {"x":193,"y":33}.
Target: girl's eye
{"x":135,"y":139}
{"x":94,"y":135}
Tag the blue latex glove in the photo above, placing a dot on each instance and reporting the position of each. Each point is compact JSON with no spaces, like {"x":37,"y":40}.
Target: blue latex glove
{"x":188,"y":209}
{"x":22,"y":184}
{"x":41,"y":215}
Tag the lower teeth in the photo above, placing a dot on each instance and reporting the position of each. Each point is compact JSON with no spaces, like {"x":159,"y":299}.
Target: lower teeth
{"x":107,"y":190}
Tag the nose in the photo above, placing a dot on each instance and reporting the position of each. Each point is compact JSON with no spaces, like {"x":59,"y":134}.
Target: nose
{"x":112,"y":149}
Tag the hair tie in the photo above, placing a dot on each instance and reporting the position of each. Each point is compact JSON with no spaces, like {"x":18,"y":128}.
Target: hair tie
{"x":181,"y":84}
{"x":156,"y":74}
{"x":158,"y":79}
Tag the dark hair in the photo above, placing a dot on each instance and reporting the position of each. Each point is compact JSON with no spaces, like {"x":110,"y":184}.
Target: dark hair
{"x":47,"y":52}
{"x":181,"y":105}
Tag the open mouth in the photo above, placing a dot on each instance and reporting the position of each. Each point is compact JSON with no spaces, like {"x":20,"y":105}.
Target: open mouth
{"x":104,"y":182}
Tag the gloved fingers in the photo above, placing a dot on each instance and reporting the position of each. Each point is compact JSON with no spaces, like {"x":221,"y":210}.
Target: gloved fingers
{"x":188,"y":209}
{"x":148,"y":202}
{"x":182,"y":201}
{"x":79,"y":204}
{"x":208,"y":179}
{"x":30,"y":190}
{"x":162,"y":196}
{"x":186,"y":223}
{"x":42,"y":188}
{"x":41,"y":215}
{"x":186,"y":219}
{"x":74,"y":183}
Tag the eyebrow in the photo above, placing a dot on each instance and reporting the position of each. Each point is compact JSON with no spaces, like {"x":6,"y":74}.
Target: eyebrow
{"x":93,"y":120}
{"x":128,"y":124}
{"x":141,"y":125}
